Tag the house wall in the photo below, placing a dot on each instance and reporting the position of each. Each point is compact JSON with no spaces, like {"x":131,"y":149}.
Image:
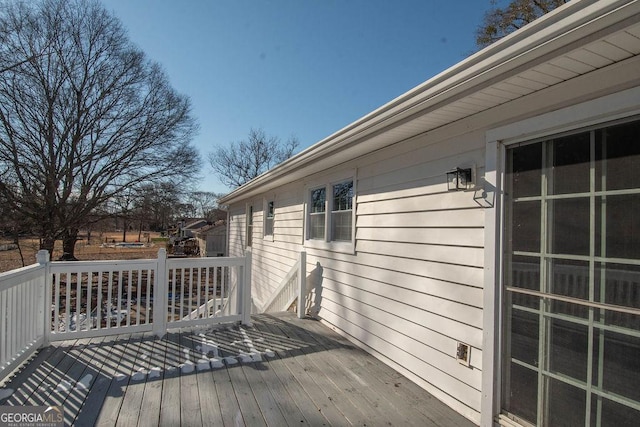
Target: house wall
{"x":236,"y":230}
{"x":413,"y":287}
{"x":415,"y":284}
{"x":273,"y":256}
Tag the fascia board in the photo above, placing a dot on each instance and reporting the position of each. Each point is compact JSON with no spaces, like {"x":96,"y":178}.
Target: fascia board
{"x":558,"y":32}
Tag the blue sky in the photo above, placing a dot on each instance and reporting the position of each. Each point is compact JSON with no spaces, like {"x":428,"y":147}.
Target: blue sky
{"x":303,"y":68}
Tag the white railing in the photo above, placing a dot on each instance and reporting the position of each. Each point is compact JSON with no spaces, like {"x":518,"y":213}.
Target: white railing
{"x":52,"y":301}
{"x":214,"y":305}
{"x":292,"y":287}
{"x":201,"y":292}
{"x":22,"y":315}
{"x":91,"y":298}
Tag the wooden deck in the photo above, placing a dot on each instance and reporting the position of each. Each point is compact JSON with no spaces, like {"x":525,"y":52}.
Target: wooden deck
{"x":295,"y":372}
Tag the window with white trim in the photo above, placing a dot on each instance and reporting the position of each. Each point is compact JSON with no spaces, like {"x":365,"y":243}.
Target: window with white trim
{"x":341,"y":211}
{"x":317,"y":213}
{"x":269,"y":218}
{"x":330,"y":215}
{"x":249,"y":225}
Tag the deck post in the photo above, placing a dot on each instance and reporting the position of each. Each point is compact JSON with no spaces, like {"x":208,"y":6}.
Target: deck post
{"x":302,"y":285}
{"x":43,"y":258}
{"x":245,"y":289}
{"x":160,"y":295}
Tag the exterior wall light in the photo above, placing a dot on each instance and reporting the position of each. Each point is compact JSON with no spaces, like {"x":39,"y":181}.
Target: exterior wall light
{"x":458,"y":179}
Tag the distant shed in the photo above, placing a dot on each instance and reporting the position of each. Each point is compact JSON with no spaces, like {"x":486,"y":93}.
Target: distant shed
{"x":212,"y":239}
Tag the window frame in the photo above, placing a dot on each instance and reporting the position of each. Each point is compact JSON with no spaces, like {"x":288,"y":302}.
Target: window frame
{"x":322,"y":213}
{"x":249,"y":225}
{"x":268,"y":232}
{"x":333,"y":212}
{"x":328,"y":242}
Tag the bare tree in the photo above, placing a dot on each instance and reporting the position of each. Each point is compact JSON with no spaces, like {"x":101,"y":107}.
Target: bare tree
{"x":205,"y":202}
{"x":8,"y":28}
{"x":240,"y":162}
{"x":499,"y":22}
{"x":123,"y":207}
{"x":86,"y":121}
{"x":186,"y":210}
{"x":159,"y":204}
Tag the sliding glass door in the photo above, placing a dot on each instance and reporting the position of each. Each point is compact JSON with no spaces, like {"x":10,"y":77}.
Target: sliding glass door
{"x":571,"y":311}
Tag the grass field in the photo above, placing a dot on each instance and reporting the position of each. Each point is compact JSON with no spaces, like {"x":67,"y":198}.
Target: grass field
{"x":94,"y":250}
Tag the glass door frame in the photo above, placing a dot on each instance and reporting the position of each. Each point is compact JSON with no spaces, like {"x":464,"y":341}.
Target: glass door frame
{"x":595,"y":112}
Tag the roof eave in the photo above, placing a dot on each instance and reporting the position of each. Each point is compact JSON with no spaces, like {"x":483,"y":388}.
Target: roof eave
{"x":571,"y":24}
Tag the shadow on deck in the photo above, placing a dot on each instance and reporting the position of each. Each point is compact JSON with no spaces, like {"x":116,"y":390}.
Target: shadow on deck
{"x":281,"y":371}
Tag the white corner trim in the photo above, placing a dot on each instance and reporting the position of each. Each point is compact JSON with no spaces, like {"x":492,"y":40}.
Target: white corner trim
{"x":490,"y":397}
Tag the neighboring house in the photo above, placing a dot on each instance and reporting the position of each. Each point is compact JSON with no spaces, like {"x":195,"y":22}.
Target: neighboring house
{"x":190,"y":229}
{"x":534,"y":263}
{"x":212,"y":239}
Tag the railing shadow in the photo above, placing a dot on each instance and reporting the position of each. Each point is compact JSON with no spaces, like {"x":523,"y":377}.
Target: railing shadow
{"x":108,"y":378}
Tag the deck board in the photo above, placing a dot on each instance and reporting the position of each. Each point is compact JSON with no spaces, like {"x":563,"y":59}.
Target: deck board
{"x":246,"y":399}
{"x":369,"y":405}
{"x":405,"y":396}
{"x":170,"y":402}
{"x":291,"y":355}
{"x":281,"y":371}
{"x":28,"y":378}
{"x":103,"y":368}
{"x":117,"y":372}
{"x":292,"y":391}
{"x":190,"y":413}
{"x":229,"y":407}
{"x":134,"y":392}
{"x":211,"y":411}
{"x":328,"y":381}
{"x":152,"y":396}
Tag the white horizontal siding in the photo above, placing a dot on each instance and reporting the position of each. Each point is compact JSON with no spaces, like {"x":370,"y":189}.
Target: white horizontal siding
{"x":435,"y":253}
{"x":408,"y":168}
{"x":444,"y":218}
{"x":237,"y":231}
{"x":439,"y":314}
{"x":405,"y":285}
{"x":405,"y":335}
{"x":473,"y":237}
{"x":273,"y":256}
{"x":417,"y":203}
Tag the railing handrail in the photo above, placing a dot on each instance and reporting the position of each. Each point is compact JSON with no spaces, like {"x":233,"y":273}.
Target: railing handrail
{"x":195,"y":314}
{"x":195,"y":262}
{"x":97,"y":267}
{"x":13,"y":278}
{"x":286,"y":287}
